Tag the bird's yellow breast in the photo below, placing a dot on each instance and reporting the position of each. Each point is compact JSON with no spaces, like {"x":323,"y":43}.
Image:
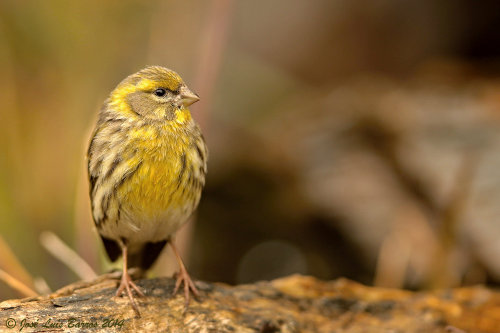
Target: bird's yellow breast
{"x":161,"y":182}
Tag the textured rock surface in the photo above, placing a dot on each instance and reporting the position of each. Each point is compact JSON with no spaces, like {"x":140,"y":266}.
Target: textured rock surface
{"x":291,"y":304}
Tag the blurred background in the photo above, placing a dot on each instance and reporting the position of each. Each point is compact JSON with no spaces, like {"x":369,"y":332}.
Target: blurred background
{"x":347,"y":138}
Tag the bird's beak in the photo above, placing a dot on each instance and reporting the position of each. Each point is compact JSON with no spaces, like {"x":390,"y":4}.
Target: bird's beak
{"x":187,"y":96}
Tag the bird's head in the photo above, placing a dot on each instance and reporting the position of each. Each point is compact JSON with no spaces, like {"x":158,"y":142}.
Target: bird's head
{"x":154,"y":93}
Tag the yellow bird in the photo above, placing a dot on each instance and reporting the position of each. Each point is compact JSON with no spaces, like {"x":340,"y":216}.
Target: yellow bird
{"x":147,"y":162}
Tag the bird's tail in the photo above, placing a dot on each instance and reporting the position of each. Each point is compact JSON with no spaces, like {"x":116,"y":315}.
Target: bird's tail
{"x":143,"y":259}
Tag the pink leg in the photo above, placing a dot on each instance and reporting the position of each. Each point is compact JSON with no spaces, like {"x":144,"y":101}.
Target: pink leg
{"x":126,"y":282}
{"x":183,"y":276}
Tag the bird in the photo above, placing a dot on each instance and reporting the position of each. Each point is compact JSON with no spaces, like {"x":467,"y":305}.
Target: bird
{"x":147,"y":162}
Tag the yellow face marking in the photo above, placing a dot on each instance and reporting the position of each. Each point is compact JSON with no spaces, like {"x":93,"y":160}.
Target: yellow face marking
{"x":118,"y":99}
{"x":182,"y":116}
{"x":171,"y":82}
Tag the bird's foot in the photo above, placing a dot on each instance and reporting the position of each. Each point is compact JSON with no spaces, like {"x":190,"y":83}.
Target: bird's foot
{"x":183,"y":277}
{"x":126,"y":284}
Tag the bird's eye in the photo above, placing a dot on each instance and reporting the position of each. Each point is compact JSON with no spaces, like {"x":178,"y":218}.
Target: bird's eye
{"x":160,"y":92}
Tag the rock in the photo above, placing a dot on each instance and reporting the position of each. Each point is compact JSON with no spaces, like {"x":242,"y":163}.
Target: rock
{"x":291,"y":304}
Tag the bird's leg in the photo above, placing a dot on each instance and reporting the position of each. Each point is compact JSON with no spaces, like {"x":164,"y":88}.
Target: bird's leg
{"x":126,"y":282}
{"x":183,"y":276}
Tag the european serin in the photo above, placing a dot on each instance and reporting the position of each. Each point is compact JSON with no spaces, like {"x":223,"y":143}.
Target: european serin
{"x":147,"y":162}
